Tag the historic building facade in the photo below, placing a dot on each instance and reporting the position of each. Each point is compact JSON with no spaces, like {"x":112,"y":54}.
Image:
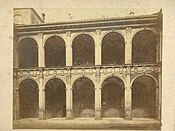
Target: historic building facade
{"x":94,"y":68}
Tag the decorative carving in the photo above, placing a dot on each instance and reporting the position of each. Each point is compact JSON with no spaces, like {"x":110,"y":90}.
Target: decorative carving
{"x":41,"y":75}
{"x":62,"y":72}
{"x":144,"y":69}
{"x":40,"y":35}
{"x":135,"y":69}
{"x":97,"y":75}
{"x":98,"y":32}
{"x":128,"y":70}
{"x":128,"y":30}
{"x":68,"y":34}
{"x":113,"y":70}
{"x":121,"y":70}
{"x":68,"y":79}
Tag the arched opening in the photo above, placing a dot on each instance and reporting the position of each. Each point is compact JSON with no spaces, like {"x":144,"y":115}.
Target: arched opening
{"x":144,"y":97}
{"x":55,"y":52}
{"x":113,"y":97}
{"x":83,"y":50}
{"x":28,"y":92}
{"x":28,"y":53}
{"x":83,"y":98}
{"x":113,"y":49}
{"x":55,"y":95}
{"x":144,"y":47}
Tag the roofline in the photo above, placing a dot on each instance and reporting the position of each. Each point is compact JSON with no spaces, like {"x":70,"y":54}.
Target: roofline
{"x":96,"y":20}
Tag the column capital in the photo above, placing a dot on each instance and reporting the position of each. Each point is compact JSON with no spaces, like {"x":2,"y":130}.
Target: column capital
{"x":128,"y":30}
{"x":40,"y":35}
{"x":68,"y":34}
{"x":98,"y":32}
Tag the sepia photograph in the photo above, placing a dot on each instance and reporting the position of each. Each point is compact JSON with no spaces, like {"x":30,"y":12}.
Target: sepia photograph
{"x":87,"y":68}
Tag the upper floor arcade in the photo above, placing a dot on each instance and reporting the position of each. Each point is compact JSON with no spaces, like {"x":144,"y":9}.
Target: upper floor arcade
{"x":130,"y":40}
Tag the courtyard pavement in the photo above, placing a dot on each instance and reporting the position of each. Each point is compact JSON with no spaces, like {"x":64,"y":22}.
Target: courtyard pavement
{"x":88,"y":123}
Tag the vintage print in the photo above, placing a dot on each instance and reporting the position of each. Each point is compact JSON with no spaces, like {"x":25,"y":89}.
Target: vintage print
{"x":100,"y":70}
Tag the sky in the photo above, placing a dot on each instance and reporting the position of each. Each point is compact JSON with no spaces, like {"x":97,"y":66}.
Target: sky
{"x":74,"y":14}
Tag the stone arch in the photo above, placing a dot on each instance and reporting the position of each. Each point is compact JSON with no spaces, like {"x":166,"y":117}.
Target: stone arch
{"x":144,"y":46}
{"x":81,"y":33}
{"x":149,"y":75}
{"x":55,"y":98}
{"x":55,"y":51}
{"x":29,"y":98}
{"x":144,"y":97}
{"x":113,"y":89}
{"x":80,"y":76}
{"x":142,"y":29}
{"x":52,"y":77}
{"x":83,"y":98}
{"x":28,"y":53}
{"x":25,"y":78}
{"x":83,"y":50}
{"x":107,"y":32}
{"x":24,"y":37}
{"x":115,"y":42}
{"x":52,"y":35}
{"x":108,"y":76}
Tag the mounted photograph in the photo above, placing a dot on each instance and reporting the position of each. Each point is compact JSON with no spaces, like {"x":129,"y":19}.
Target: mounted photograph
{"x":98,"y":68}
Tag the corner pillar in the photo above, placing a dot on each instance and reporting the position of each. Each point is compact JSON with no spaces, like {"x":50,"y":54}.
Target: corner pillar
{"x":17,"y":104}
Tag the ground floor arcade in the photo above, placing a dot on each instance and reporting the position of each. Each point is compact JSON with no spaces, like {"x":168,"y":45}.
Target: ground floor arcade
{"x":85,"y":97}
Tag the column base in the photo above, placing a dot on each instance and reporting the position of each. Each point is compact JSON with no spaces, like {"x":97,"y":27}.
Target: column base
{"x":98,"y":115}
{"x":69,"y":115}
{"x":42,"y":115}
{"x":128,"y":114}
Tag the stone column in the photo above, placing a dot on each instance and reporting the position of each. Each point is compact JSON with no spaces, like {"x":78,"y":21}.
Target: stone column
{"x":128,"y":47}
{"x":97,"y":95}
{"x":68,"y":49}
{"x":69,"y":102}
{"x":41,"y":55}
{"x":98,"y":48}
{"x":97,"y":102}
{"x":41,"y":96}
{"x":128,"y":96}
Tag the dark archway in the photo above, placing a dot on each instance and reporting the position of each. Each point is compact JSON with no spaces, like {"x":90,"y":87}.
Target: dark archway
{"x":144,"y":47}
{"x":29,"y":99}
{"x":55,"y":52}
{"x":113,"y":97}
{"x":83,"y":50}
{"x":113,"y":49}
{"x":55,"y":91}
{"x":144,"y":97}
{"x":28,"y":53}
{"x":83,"y":98}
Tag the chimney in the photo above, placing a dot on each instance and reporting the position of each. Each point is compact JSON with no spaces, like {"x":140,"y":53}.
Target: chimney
{"x":43,"y":17}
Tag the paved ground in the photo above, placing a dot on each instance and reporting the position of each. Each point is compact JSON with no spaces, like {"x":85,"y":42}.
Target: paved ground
{"x":90,"y":123}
